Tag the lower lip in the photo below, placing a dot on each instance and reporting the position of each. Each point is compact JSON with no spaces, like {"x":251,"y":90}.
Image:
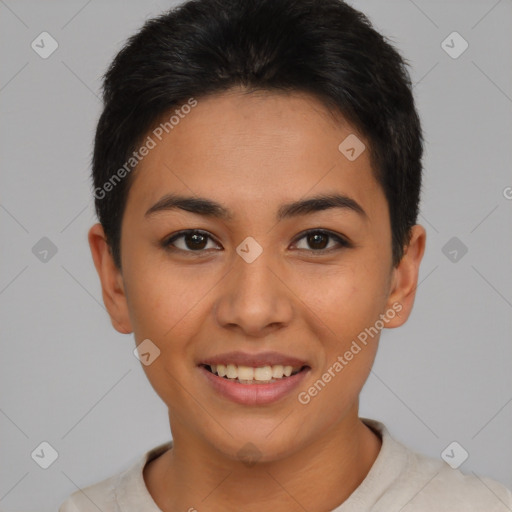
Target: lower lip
{"x":254,"y":394}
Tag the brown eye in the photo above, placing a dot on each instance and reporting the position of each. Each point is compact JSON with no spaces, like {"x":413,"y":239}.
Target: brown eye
{"x":318,"y":241}
{"x":188,"y":241}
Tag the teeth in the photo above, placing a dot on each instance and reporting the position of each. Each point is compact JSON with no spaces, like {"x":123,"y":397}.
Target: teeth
{"x":231,"y":371}
{"x":247,"y":374}
{"x":263,"y":373}
{"x":277,"y":371}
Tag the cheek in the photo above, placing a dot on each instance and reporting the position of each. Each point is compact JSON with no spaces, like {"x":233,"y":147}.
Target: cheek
{"x":329,"y":398}
{"x":349,"y":347}
{"x":345,"y":299}
{"x":342,"y":312}
{"x":160,"y":298}
{"x":165,"y":309}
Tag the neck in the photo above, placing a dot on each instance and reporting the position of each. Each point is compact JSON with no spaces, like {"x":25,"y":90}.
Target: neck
{"x":320,"y":476}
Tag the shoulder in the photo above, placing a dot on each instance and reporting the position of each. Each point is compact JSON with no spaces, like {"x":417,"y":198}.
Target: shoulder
{"x":431,"y":484}
{"x":100,"y":495}
{"x":456,"y":488}
{"x":446,"y":489}
{"x":124,"y":491}
{"x":414,"y":482}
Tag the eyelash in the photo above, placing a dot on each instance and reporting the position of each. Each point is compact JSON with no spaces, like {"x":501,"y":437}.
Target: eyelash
{"x":342,"y":242}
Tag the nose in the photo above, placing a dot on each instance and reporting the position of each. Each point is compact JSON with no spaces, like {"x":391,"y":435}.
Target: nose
{"x":255,"y":298}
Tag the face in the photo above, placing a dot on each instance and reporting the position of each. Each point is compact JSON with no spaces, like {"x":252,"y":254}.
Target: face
{"x":252,"y":286}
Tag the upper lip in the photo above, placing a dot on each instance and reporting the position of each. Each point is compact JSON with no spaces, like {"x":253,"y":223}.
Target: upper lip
{"x":254,"y":360}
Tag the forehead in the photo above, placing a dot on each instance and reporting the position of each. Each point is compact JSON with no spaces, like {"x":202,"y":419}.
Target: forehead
{"x":262,"y":147}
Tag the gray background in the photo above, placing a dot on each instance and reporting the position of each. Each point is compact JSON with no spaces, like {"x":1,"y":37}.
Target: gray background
{"x":68,"y":378}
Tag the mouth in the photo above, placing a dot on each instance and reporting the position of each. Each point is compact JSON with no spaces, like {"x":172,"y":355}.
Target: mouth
{"x":253,"y":379}
{"x":254,"y":375}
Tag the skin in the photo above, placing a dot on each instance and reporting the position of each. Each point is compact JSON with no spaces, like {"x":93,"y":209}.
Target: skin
{"x":252,"y":153}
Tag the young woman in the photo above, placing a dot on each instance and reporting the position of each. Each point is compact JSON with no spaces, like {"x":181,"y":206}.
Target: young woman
{"x":257,"y":175}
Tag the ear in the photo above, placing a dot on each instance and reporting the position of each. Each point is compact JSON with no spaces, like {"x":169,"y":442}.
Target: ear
{"x":111,"y":278}
{"x":404,"y":280}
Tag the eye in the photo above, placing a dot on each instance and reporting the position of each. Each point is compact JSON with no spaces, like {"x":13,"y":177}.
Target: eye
{"x":196,"y":241}
{"x":318,"y":240}
{"x":191,"y":240}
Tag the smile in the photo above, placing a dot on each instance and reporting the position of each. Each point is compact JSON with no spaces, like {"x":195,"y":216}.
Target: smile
{"x":253,"y":375}
{"x":253,"y":379}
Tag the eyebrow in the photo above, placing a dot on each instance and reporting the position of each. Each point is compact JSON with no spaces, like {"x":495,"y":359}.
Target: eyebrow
{"x":209,"y":208}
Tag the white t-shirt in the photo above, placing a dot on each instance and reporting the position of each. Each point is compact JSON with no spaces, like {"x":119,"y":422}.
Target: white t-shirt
{"x":399,"y":480}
